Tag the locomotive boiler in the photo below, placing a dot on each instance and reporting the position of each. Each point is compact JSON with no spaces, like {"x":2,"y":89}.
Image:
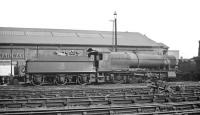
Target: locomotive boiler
{"x":126,"y":66}
{"x":126,"y":60}
{"x":98,"y":67}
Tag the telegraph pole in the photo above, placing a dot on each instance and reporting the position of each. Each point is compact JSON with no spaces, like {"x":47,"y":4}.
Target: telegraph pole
{"x":115,"y":30}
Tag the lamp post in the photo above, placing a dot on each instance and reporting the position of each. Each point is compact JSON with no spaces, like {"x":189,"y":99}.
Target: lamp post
{"x":115,"y":30}
{"x":10,"y":81}
{"x":113,"y":35}
{"x":11,"y":58}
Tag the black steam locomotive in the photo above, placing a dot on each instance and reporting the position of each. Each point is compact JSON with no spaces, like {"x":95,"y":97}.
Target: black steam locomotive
{"x":121,"y":67}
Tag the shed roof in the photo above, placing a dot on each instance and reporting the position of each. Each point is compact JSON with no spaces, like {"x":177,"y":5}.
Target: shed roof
{"x":10,"y":35}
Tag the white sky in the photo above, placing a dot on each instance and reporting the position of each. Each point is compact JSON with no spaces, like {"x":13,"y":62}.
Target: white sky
{"x":176,"y":23}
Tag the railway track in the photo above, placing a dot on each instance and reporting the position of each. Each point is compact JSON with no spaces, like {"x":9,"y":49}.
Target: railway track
{"x":77,"y":91}
{"x":12,"y":93}
{"x":96,"y":101}
{"x":143,"y":109}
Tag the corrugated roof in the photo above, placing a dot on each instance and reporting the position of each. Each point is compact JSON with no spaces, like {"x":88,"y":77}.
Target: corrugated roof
{"x":71,"y":37}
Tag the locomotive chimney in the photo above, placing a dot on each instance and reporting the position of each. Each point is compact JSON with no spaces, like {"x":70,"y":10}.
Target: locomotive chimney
{"x":199,"y":49}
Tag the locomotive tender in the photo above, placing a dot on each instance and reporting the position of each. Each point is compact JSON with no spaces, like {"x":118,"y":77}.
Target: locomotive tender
{"x":121,"y":67}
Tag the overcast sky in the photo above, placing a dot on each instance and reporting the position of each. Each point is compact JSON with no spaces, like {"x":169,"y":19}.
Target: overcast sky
{"x":175,"y":23}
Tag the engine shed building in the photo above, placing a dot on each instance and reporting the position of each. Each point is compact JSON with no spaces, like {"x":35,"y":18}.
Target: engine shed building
{"x":20,"y":44}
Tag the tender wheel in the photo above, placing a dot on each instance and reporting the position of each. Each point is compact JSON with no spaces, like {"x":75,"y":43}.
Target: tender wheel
{"x":61,"y":79}
{"x":79,"y":80}
{"x":3,"y":81}
{"x":37,"y":79}
{"x":83,"y":79}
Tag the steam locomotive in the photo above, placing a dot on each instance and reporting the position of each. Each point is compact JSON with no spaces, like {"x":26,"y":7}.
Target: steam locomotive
{"x":97,"y":67}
